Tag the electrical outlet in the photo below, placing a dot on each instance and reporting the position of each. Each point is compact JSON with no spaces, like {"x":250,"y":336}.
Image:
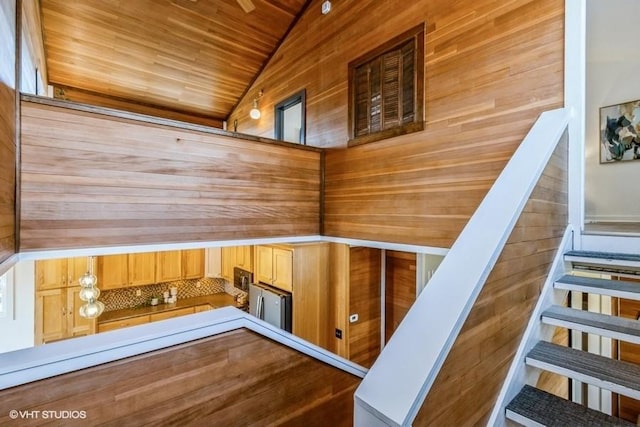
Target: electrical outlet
{"x":353,"y":318}
{"x":339,"y":333}
{"x":138,"y":293}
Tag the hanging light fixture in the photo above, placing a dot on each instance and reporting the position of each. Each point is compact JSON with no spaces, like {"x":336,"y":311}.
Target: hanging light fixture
{"x":89,"y":292}
{"x":255,"y":111}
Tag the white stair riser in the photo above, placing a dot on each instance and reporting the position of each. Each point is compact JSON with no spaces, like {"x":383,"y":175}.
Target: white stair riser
{"x":526,"y":422}
{"x":602,"y":262}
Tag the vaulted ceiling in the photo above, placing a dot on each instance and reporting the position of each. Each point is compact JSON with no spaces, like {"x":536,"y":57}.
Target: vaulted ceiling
{"x":193,"y":56}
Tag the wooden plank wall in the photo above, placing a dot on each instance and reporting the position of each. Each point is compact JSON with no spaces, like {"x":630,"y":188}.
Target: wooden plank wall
{"x":400,"y":288}
{"x":491,"y":67}
{"x":94,"y":180}
{"x":364,"y":300}
{"x":92,"y":98}
{"x":468,"y":384}
{"x":233,"y":379}
{"x":7,"y":129}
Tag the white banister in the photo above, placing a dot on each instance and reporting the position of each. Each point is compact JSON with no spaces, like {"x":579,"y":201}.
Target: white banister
{"x":395,"y":387}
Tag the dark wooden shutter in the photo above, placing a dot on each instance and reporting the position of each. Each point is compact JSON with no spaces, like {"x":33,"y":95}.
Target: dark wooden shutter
{"x":375,"y":83}
{"x":361,"y":103}
{"x":390,"y":89}
{"x":408,"y":83}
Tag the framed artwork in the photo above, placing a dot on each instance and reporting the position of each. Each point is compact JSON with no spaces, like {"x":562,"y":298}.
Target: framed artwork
{"x":620,"y":132}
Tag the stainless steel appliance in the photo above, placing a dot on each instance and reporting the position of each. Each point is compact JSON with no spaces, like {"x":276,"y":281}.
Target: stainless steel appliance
{"x":242,"y":279}
{"x":271,"y":305}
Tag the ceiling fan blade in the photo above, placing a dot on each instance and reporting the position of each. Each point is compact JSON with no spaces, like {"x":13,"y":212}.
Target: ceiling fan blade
{"x":246,"y":5}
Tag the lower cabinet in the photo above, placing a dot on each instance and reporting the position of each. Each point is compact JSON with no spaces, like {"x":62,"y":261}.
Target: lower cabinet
{"x":203,"y":307}
{"x":171,"y":314}
{"x":58,"y":317}
{"x":125,"y":323}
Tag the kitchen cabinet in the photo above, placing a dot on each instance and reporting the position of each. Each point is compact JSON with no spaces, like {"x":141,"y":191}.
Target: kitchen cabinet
{"x":142,"y":268}
{"x":57,"y":315}
{"x":113,"y":271}
{"x":125,"y":323}
{"x":301,"y":269}
{"x":213,"y":265}
{"x":168,"y":266}
{"x":193,"y":263}
{"x":61,"y":272}
{"x":203,"y":307}
{"x":171,"y":314}
{"x":236,"y":256}
{"x":51,"y":315}
{"x":274,"y":266}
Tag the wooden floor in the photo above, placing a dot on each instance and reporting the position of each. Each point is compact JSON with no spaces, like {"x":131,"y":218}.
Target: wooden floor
{"x":234,"y":379}
{"x":613,"y":228}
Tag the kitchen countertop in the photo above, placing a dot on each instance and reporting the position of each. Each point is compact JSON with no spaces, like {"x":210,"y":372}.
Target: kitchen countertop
{"x":214,"y":300}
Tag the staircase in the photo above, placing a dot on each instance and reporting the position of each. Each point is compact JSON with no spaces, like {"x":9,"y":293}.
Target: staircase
{"x":534,"y":407}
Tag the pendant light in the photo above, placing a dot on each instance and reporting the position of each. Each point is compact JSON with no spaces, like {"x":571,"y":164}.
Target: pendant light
{"x":89,"y":292}
{"x":255,"y":111}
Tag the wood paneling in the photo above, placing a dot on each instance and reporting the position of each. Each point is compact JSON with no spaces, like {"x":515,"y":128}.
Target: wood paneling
{"x":491,"y":67}
{"x":91,"y":180}
{"x":400,"y":288}
{"x":233,"y":379}
{"x":109,"y":101}
{"x":7,"y":129}
{"x":364,"y":300}
{"x":192,"y":56}
{"x":338,"y":298}
{"x":33,"y":50}
{"x":468,"y":384}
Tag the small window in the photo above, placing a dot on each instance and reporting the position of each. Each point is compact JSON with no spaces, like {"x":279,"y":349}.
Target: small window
{"x":290,"y":119}
{"x":386,"y":89}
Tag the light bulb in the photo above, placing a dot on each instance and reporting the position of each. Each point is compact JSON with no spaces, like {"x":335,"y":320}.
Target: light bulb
{"x":88,"y":280}
{"x":92,"y":309}
{"x":255,"y":112}
{"x":89,"y":294}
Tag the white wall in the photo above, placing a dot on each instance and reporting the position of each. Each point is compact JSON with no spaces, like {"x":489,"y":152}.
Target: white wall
{"x":18,"y":327}
{"x":613,"y":76}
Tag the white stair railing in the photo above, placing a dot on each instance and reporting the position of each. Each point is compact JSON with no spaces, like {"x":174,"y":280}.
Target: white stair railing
{"x":395,"y":387}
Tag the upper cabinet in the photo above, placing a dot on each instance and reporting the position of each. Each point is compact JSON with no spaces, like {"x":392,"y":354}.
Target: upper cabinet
{"x":274,"y":266}
{"x":192,"y":263}
{"x":213,"y":265}
{"x":57,"y":273}
{"x":142,"y":268}
{"x":168,"y":266}
{"x":113,"y":271}
{"x":236,"y":256}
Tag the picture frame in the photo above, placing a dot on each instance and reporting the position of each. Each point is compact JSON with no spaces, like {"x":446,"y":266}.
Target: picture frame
{"x":619,"y":131}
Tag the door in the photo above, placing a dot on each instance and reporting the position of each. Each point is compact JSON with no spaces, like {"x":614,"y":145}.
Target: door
{"x":142,"y":268}
{"x":193,"y":264}
{"x":228,"y":262}
{"x":51,"y":315}
{"x":113,"y":272}
{"x":168,"y":266}
{"x":51,"y":274}
{"x":283,"y":269}
{"x":273,"y":307}
{"x":264,"y":267}
{"x":76,"y":324}
{"x":255,"y":301}
{"x":76,"y":268}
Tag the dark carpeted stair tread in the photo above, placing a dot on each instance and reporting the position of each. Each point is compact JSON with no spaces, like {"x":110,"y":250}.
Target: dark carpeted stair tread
{"x":614,"y":375}
{"x":553,"y":411}
{"x":601,"y":324}
{"x":621,"y":263}
{"x":603,"y":255}
{"x":614,"y":288}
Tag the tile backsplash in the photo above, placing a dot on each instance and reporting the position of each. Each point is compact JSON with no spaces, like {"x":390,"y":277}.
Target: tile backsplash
{"x":117,"y":299}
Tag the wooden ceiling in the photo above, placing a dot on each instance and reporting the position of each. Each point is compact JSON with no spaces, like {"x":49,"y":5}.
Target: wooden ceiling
{"x":193,"y":56}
